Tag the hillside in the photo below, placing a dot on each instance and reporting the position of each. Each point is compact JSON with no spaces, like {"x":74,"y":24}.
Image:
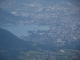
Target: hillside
{"x":11,"y":46}
{"x":60,"y":42}
{"x":8,"y":18}
{"x":45,"y":12}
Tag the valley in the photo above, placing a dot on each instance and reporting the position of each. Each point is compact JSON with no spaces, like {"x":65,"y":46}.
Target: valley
{"x":40,"y":30}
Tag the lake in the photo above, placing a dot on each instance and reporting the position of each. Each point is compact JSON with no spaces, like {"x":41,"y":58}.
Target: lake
{"x":22,"y":30}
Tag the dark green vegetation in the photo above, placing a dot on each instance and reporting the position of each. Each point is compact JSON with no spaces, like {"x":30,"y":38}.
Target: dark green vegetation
{"x":11,"y":46}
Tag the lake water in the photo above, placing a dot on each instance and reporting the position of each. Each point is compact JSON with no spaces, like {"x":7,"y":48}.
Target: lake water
{"x":21,"y":30}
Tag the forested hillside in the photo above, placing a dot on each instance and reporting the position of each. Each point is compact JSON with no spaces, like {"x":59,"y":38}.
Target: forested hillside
{"x":11,"y":46}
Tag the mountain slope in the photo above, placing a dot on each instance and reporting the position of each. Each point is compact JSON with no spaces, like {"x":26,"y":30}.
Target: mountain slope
{"x":11,"y":46}
{"x":6,"y":17}
{"x":36,"y":11}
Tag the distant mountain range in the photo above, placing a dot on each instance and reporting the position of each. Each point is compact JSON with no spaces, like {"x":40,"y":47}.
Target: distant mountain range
{"x":34,"y":11}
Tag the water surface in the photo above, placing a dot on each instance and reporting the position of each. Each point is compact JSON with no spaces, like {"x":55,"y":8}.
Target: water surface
{"x":22,"y":30}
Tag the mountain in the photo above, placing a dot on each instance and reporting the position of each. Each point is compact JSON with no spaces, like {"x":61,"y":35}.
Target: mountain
{"x":8,"y":18}
{"x":60,"y":42}
{"x":43,"y":11}
{"x":11,"y":46}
